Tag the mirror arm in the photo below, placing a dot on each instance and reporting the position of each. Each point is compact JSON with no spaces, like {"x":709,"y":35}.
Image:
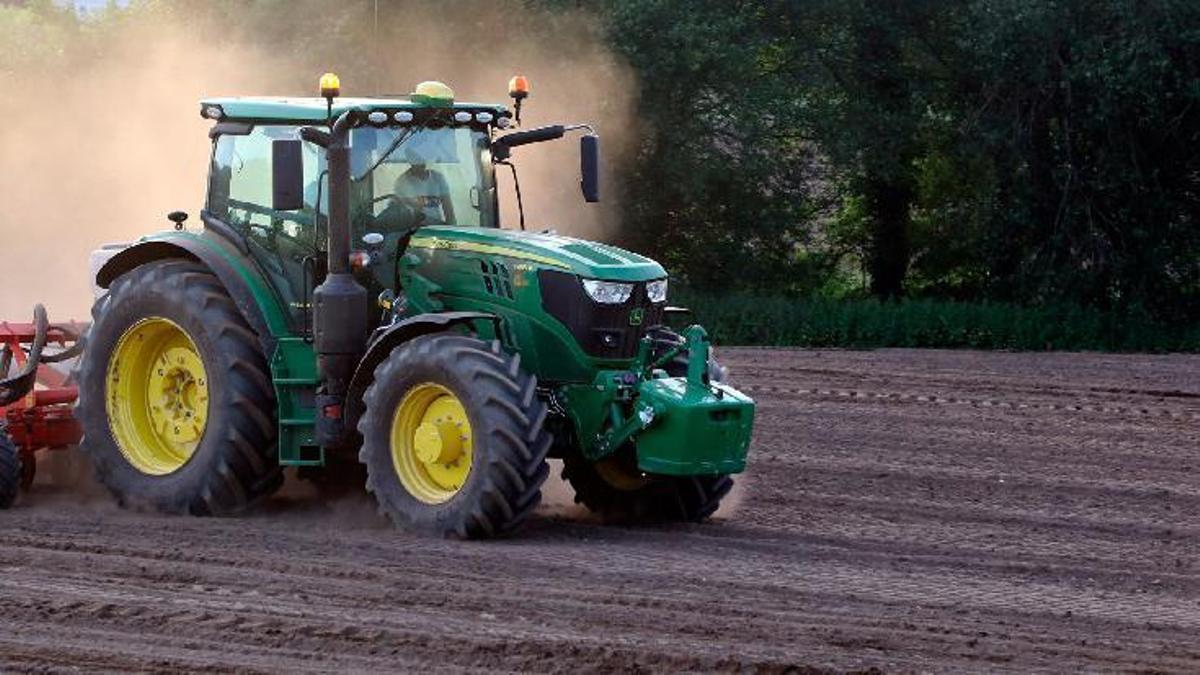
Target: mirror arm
{"x":323,"y":138}
{"x":315,"y":136}
{"x":536,"y":135}
{"x":502,"y":146}
{"x":344,"y":122}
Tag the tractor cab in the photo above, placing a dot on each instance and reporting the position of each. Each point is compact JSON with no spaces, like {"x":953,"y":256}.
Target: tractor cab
{"x":416,"y":161}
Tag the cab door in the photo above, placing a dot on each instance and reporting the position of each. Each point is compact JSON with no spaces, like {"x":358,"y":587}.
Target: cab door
{"x":288,"y":246}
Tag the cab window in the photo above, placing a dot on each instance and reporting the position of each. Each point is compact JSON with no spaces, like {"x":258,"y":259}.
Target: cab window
{"x":404,"y":178}
{"x":285,"y":244}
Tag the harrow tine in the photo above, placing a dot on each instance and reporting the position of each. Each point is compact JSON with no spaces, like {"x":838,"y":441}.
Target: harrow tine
{"x":69,"y":353}
{"x":66,"y":336}
{"x":12,"y":389}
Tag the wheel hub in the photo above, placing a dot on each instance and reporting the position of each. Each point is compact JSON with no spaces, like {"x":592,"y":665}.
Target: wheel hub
{"x":178,"y":395}
{"x":439,"y":443}
{"x":156,"y":396}
{"x":431,"y":443}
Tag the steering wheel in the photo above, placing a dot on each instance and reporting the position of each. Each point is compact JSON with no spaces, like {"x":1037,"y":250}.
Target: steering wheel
{"x":397,"y":216}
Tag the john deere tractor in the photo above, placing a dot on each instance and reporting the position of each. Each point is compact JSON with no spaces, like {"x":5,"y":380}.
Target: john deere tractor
{"x":353,"y":301}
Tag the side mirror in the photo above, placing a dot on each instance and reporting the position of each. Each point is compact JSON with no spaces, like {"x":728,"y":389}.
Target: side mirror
{"x":287,"y":176}
{"x":589,"y":167}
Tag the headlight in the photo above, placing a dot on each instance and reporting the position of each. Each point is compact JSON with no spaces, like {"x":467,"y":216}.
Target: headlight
{"x":607,"y":292}
{"x":657,"y":290}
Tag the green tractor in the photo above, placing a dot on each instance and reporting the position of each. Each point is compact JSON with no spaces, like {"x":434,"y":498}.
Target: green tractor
{"x":352,"y":303}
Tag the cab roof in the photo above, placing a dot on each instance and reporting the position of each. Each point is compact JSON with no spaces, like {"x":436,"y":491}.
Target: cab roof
{"x":314,"y":109}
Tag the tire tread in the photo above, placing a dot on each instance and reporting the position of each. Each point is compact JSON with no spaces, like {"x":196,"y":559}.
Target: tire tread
{"x":10,"y":470}
{"x":510,"y":421}
{"x":247,"y":468}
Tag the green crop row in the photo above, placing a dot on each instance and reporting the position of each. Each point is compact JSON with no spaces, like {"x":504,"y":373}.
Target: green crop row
{"x":752,"y":319}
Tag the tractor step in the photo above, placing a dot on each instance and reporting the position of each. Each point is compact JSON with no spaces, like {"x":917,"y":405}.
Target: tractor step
{"x":294,"y":372}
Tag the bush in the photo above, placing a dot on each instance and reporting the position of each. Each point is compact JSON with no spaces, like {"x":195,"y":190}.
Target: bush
{"x":755,"y":319}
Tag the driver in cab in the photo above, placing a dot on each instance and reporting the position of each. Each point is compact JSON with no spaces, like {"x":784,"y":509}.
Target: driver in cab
{"x":421,"y":194}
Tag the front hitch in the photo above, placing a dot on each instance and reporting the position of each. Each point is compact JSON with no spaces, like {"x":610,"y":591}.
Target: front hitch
{"x":695,"y":343}
{"x":687,"y":425}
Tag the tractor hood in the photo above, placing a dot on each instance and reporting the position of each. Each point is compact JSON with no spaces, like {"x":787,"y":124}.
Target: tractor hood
{"x":588,"y":259}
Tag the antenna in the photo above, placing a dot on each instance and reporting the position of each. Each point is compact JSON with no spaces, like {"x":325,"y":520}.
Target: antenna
{"x":375,"y":50}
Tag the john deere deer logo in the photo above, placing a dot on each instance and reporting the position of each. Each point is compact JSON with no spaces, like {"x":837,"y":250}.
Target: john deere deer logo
{"x":636,"y":316}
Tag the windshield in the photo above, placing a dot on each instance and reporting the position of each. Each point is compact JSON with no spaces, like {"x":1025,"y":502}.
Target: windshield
{"x":407,"y":177}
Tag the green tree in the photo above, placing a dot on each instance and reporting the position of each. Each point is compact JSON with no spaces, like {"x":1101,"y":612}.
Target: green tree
{"x":1088,"y":115}
{"x":721,"y":186}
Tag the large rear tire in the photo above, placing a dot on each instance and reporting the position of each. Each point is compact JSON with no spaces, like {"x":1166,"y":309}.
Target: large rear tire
{"x":10,"y":470}
{"x":176,"y":402}
{"x":454,"y":437}
{"x":615,"y":489}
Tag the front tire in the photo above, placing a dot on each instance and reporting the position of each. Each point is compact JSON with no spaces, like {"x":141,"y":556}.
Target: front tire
{"x":619,"y":493}
{"x":10,"y":470}
{"x":175,"y":395}
{"x":454,"y":437}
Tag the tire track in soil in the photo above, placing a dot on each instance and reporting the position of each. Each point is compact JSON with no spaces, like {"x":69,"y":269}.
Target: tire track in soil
{"x":904,"y":510}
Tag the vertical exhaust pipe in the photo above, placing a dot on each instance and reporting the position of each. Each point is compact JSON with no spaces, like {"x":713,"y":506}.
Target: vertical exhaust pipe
{"x":339,"y":302}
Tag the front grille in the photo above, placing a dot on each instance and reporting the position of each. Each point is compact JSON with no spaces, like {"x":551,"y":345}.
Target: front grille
{"x":603,"y":331}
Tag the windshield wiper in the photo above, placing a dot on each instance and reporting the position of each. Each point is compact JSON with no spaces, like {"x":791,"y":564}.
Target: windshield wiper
{"x":400,"y":139}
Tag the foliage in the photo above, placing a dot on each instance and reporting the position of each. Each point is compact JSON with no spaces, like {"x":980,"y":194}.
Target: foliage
{"x":994,"y":150}
{"x":1087,"y":115}
{"x":722,"y":177}
{"x":752,"y":319}
{"x":33,"y":33}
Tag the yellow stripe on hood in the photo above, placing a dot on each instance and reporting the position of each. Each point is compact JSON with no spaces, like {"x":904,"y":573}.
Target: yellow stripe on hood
{"x":436,"y":243}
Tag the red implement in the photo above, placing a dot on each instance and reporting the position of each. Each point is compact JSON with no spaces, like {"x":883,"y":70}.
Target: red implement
{"x":36,"y":401}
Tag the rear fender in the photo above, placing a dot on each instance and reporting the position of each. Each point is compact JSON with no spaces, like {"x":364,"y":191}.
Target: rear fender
{"x":250,"y":292}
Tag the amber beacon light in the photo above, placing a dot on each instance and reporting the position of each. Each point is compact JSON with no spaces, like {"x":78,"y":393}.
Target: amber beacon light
{"x":518,"y":89}
{"x":331,"y":86}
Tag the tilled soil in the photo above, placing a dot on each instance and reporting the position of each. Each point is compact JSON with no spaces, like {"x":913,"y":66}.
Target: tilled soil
{"x":903,"y":510}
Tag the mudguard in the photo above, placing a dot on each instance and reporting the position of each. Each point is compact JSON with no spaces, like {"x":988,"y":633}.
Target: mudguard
{"x":236,"y":272}
{"x":387,"y":339}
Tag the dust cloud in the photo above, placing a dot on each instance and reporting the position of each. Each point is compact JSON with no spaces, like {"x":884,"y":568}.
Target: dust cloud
{"x":66,"y":476}
{"x":734,"y":500}
{"x":558,"y":497}
{"x":100,"y":144}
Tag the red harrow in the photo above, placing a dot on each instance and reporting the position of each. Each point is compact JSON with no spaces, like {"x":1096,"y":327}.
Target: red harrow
{"x":36,"y":401}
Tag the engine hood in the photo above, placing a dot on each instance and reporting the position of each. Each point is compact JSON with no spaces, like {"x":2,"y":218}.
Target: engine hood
{"x":588,"y":259}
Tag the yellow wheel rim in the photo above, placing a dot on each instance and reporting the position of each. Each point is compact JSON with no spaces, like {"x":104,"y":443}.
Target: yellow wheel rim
{"x":432,"y":445}
{"x":616,"y":473}
{"x":157,"y":396}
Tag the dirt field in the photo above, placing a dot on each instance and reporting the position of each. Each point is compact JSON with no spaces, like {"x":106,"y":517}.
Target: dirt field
{"x":904,"y":510}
